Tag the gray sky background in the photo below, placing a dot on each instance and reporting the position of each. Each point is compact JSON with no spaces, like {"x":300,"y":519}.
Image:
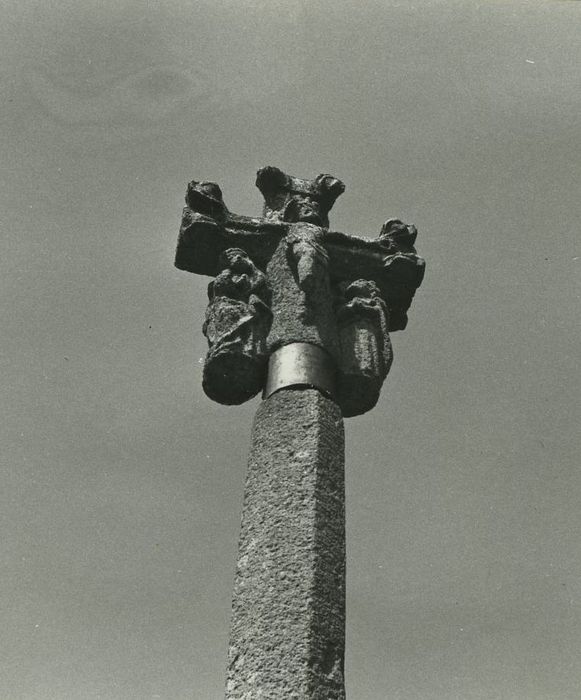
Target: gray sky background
{"x":122,"y":484}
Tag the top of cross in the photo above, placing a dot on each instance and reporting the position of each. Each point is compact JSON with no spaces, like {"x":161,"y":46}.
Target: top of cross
{"x":293,"y":199}
{"x":208,"y":228}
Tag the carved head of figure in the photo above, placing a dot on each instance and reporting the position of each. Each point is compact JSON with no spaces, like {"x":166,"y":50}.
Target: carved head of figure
{"x":365,"y":289}
{"x":239,"y":277}
{"x":292,"y":199}
{"x":237,"y":260}
{"x":234,"y":280}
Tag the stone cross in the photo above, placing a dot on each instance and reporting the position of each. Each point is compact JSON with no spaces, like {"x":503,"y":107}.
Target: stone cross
{"x":303,"y":314}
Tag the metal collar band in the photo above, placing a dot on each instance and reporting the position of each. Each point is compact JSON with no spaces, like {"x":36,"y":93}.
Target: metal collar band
{"x":300,"y":364}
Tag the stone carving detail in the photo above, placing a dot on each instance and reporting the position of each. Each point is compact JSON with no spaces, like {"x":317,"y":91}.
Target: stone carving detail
{"x":237,"y":322}
{"x":310,"y":258}
{"x":293,"y":199}
{"x":300,"y":201}
{"x":366,"y":353}
{"x":285,"y":277}
{"x":205,"y":198}
{"x":404,"y":270}
{"x":398,"y":237}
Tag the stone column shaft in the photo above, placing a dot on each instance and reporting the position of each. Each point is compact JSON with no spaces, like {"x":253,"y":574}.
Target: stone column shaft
{"x":288,"y":619}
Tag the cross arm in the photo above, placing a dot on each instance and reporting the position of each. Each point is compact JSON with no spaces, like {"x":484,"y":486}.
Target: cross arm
{"x":397,"y":270}
{"x":208,"y":229}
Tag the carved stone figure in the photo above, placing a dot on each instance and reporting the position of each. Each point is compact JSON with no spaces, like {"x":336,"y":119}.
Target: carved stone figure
{"x":299,"y":201}
{"x":403,"y":269}
{"x":310,"y":258}
{"x":236,"y":326}
{"x":366,"y":353}
{"x":294,"y":199}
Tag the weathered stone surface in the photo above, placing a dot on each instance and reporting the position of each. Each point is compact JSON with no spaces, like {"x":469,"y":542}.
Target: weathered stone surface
{"x":208,"y":228}
{"x":286,"y":281}
{"x":366,"y":354}
{"x":302,"y":302}
{"x":293,"y":199}
{"x":288,"y":619}
{"x":236,"y":326}
{"x":398,"y":237}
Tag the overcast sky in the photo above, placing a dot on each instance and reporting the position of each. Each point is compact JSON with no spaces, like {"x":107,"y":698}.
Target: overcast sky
{"x":121,"y":483}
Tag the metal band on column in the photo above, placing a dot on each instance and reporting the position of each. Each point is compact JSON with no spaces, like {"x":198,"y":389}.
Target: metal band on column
{"x":300,"y":364}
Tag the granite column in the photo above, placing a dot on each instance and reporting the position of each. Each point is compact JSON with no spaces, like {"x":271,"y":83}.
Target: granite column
{"x":288,"y":619}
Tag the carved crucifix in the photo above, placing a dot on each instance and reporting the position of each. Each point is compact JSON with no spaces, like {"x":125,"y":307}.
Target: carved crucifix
{"x":303,"y":314}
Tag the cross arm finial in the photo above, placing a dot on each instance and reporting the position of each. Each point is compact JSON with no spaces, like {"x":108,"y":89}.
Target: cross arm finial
{"x":208,"y":228}
{"x":390,"y":260}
